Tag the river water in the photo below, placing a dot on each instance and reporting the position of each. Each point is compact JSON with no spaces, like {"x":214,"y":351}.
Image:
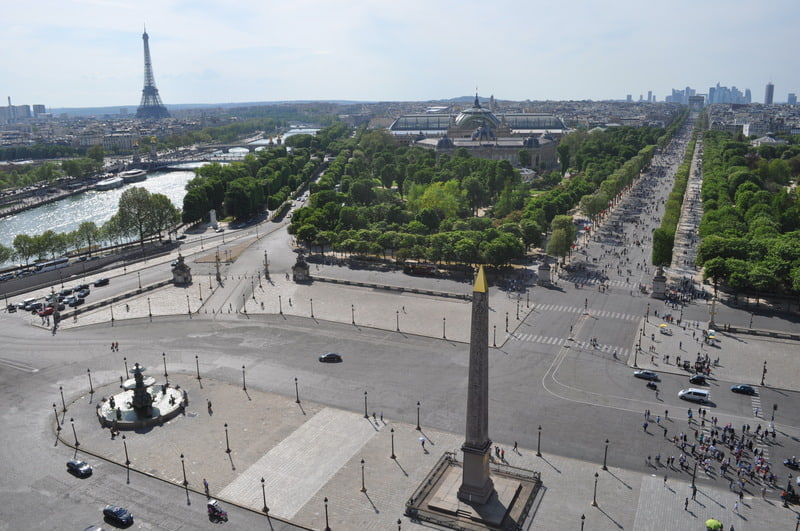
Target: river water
{"x":67,"y":214}
{"x":98,"y":206}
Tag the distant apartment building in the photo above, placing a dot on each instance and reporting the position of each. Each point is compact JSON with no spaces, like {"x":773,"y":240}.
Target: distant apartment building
{"x":39,"y":110}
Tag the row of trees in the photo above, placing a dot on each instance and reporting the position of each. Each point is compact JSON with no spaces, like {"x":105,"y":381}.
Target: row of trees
{"x":140,"y":215}
{"x":751,"y":222}
{"x":381,"y":197}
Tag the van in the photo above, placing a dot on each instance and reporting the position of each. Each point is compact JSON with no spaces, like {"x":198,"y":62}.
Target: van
{"x":694,"y":395}
{"x":27,"y":302}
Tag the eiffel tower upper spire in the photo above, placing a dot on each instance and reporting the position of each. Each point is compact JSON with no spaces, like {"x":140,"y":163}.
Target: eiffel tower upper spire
{"x":151,"y":106}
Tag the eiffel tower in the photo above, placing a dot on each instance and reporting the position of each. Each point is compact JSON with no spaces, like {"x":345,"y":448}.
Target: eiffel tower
{"x":151,"y":107}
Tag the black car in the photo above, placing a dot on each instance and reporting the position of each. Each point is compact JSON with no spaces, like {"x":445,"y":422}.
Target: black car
{"x":101,"y":282}
{"x":79,"y":468}
{"x":743,"y":389}
{"x":81,"y":286}
{"x":330,"y":357}
{"x":83,"y":293}
{"x":75,"y":301}
{"x":698,"y":379}
{"x":119,"y":515}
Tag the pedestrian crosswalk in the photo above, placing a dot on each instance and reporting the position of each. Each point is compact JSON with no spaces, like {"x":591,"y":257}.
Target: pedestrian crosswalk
{"x":577,"y":309}
{"x":578,"y":278}
{"x":584,"y":345}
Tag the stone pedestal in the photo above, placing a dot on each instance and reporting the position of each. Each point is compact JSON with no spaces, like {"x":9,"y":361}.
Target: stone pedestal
{"x":659,"y":284}
{"x":476,"y":485}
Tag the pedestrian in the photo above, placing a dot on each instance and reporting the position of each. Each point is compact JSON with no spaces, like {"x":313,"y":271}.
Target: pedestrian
{"x":666,"y":414}
{"x":515,"y":446}
{"x":205,"y":488}
{"x":644,"y":426}
{"x":503,"y":455}
{"x":694,"y":492}
{"x":686,"y":504}
{"x":381,"y":416}
{"x":422,"y":442}
{"x":665,"y":480}
{"x":736,"y":507}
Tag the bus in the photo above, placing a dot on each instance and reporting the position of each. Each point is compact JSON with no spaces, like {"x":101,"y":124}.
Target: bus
{"x":58,"y":263}
{"x":414,"y":267}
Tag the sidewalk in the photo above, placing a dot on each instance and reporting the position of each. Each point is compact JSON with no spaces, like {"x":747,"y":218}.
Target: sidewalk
{"x":308,"y":451}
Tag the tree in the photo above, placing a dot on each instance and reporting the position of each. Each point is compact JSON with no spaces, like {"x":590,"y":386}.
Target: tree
{"x":87,"y":232}
{"x":5,"y":253}
{"x":559,"y":243}
{"x":563,"y":151}
{"x":663,"y":241}
{"x":163,"y":214}
{"x":24,"y":247}
{"x":134,"y":210}
{"x":96,"y":153}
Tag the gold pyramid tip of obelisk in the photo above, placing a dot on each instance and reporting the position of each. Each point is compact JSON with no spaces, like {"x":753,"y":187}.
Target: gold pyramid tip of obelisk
{"x":481,"y":285}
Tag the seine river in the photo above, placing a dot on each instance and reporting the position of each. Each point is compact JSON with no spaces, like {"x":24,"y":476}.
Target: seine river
{"x":66,"y":215}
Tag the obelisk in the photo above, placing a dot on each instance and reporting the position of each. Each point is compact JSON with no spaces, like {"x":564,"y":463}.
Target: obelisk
{"x":476,"y":486}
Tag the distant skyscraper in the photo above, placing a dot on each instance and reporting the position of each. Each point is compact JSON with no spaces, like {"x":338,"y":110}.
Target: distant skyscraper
{"x":769,"y":93}
{"x":151,"y":106}
{"x":649,"y":96}
{"x":792,"y":99}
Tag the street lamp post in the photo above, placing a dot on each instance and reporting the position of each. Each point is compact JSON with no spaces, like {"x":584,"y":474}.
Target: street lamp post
{"x":280,"y":305}
{"x":296,"y":392}
{"x":391,"y":432}
{"x":605,"y":456}
{"x":63,"y":404}
{"x":764,"y":372}
{"x":197,"y":365}
{"x":125,"y":446}
{"x":164,"y":357}
{"x":188,"y":307}
{"x":125,"y":361}
{"x":594,"y":496}
{"x":149,"y":310}
{"x":444,"y":327}
{"x":91,"y":388}
{"x":111,"y":309}
{"x":327,"y":527}
{"x":312,"y":307}
{"x":506,"y":322}
{"x":363,"y":485}
{"x":75,"y":434}
{"x":418,"y":427}
{"x":694,"y":473}
{"x":227,"y":442}
{"x":353,"y":314}
{"x":366,"y":416}
{"x":583,"y":519}
{"x":397,"y":319}
{"x":183,"y":467}
{"x":244,"y":382}
{"x":139,"y":274}
{"x":518,"y":309}
{"x":539,"y":443}
{"x":494,"y":335}
{"x":264,"y":497}
{"x":55,"y":412}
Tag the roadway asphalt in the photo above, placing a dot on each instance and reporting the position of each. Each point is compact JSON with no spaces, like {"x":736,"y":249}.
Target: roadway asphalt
{"x":544,"y":372}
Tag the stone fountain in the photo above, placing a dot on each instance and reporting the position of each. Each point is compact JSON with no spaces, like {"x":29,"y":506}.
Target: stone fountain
{"x":141,"y":403}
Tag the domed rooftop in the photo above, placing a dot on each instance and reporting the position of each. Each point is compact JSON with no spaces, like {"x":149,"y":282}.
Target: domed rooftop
{"x":476,"y":116}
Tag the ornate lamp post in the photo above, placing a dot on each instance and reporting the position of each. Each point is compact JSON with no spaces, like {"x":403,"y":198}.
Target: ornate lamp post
{"x":418,"y":426}
{"x":183,"y":467}
{"x":594,"y":496}
{"x":138,"y":274}
{"x":296,"y":392}
{"x":125,"y":361}
{"x":392,"y":434}
{"x":397,"y":319}
{"x":363,"y":485}
{"x":366,"y":416}
{"x":264,"y":496}
{"x":197,"y":365}
{"x":227,"y":442}
{"x":63,"y":404}
{"x":539,"y":443}
{"x":244,"y":382}
{"x":75,"y":434}
{"x":164,"y":357}
{"x":327,"y":527}
{"x":91,"y":388}
{"x":444,"y":327}
{"x":353,"y":314}
{"x":312,"y":307}
{"x":605,"y":455}
{"x":55,"y":412}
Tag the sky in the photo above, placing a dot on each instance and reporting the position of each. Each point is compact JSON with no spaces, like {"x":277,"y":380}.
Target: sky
{"x":89,"y":53}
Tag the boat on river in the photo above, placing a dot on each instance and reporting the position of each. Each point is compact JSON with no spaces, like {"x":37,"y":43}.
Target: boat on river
{"x":109,"y":184}
{"x":133,"y":176}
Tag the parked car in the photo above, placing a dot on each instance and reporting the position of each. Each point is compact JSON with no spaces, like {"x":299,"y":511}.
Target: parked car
{"x":35,"y":307}
{"x":65,"y":292}
{"x":81,"y":286}
{"x":79,"y":468}
{"x":330,"y":357}
{"x":119,"y":515}
{"x":75,"y":301}
{"x":48,"y":310}
{"x":101,"y":282}
{"x":743,"y":389}
{"x":84,"y":293}
{"x":181,"y":237}
{"x":646,"y":375}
